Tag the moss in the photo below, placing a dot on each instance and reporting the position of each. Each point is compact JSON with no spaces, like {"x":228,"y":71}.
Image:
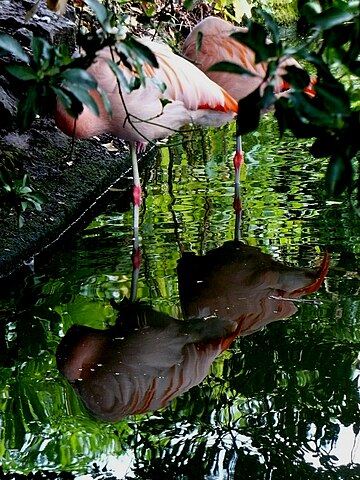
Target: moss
{"x":285,"y":12}
{"x":70,"y":187}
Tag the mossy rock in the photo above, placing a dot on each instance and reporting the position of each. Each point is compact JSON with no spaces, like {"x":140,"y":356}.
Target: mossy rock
{"x":285,"y":12}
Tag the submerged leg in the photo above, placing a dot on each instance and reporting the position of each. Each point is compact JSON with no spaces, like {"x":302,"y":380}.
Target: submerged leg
{"x":238,"y":162}
{"x":136,"y":263}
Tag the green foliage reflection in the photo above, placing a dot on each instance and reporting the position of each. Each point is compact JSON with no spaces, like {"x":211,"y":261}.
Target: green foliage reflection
{"x":276,"y":404}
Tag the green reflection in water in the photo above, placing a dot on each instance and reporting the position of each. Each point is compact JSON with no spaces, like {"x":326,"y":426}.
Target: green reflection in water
{"x":281,"y":403}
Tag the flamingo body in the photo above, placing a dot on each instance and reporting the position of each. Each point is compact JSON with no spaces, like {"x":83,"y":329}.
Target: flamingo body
{"x":218,"y":46}
{"x":139,"y":116}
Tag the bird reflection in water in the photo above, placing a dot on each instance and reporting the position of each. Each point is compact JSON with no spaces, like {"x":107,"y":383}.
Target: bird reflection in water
{"x":149,"y":358}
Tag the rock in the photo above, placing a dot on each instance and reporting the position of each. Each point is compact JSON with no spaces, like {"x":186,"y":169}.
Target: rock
{"x":46,"y":24}
{"x":7,"y":106}
{"x":70,"y":188}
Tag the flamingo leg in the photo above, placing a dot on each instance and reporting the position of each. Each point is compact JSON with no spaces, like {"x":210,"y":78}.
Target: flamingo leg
{"x":136,"y":254}
{"x":238,"y":162}
{"x":136,"y":185}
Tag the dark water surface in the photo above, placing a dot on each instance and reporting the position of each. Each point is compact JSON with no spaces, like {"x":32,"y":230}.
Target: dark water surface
{"x":235,"y":393}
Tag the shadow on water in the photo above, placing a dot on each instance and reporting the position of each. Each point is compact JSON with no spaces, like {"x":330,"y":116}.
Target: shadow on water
{"x":186,"y":382}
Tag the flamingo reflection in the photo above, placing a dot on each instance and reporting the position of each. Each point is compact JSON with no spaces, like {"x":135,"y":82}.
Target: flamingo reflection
{"x":149,"y":358}
{"x":239,"y":283}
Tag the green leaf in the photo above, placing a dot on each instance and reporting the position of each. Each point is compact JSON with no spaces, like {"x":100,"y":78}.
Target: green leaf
{"x":142,"y":52}
{"x":256,"y":39}
{"x":22,"y":72}
{"x":312,"y":111}
{"x":119,"y":74}
{"x":338,"y":175}
{"x":296,"y":77}
{"x":188,"y":4}
{"x":310,"y":9}
{"x":325,"y":145}
{"x":28,"y":108}
{"x":42,"y":50}
{"x":106,"y":101}
{"x":334,"y":97}
{"x":249,"y":113}
{"x":330,"y":18}
{"x":63,"y":97}
{"x":268,"y":98}
{"x":20,"y":221}
{"x":10,"y":45}
{"x":80,"y":77}
{"x":231,"y":68}
{"x":294,"y":119}
{"x":100,"y":11}
{"x":199,"y":39}
{"x":24,"y":190}
{"x":271,"y":25}
{"x":164,"y":102}
{"x":72,"y":105}
{"x":84,"y":97}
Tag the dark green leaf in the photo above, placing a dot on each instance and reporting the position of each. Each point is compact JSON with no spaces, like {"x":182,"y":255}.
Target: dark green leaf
{"x":85,"y":98}
{"x":271,"y":25}
{"x":199,"y":39}
{"x":312,"y":111}
{"x":63,"y":97}
{"x":22,"y":72}
{"x":338,"y":175}
{"x":292,"y":119}
{"x":268,"y":98}
{"x":9,"y":45}
{"x":28,"y":108}
{"x":309,"y":9}
{"x":256,"y":40}
{"x":164,"y":102}
{"x":188,"y":4}
{"x":42,"y":50}
{"x":330,"y":18}
{"x":334,"y":97}
{"x":339,"y":35}
{"x":106,"y":101}
{"x":296,"y":77}
{"x":119,"y":74}
{"x":79,"y":77}
{"x":100,"y":11}
{"x":231,"y":68}
{"x":249,"y":113}
{"x":142,"y":52}
{"x":68,"y":100}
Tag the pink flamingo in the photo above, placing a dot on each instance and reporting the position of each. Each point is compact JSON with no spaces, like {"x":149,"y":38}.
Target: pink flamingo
{"x":210,"y":42}
{"x":150,"y":112}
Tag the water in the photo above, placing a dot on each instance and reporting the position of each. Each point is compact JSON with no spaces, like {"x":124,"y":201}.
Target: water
{"x":250,"y":396}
